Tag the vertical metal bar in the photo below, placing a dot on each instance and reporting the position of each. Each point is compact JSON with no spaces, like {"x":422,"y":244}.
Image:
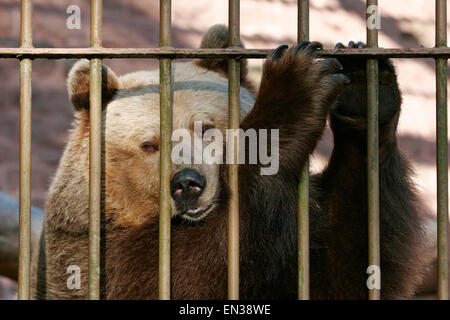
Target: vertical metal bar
{"x":25,"y":152}
{"x":165,"y":73}
{"x":95,"y":152}
{"x":442,"y":151}
{"x":303,"y":188}
{"x":233,"y":179}
{"x":373,"y":154}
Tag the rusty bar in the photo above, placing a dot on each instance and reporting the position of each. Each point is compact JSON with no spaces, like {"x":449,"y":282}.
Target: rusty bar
{"x":26,"y":30}
{"x":442,"y":176}
{"x":180,"y":53}
{"x":233,"y":178}
{"x":303,"y":188}
{"x":372,"y":151}
{"x":165,"y":74}
{"x":25,"y":182}
{"x":95,"y":152}
{"x":442,"y":151}
{"x":26,"y":41}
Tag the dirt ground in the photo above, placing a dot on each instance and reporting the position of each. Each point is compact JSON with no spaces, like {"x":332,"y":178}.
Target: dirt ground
{"x":264,"y":24}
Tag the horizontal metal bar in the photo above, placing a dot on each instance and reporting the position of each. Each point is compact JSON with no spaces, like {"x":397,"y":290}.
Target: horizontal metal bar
{"x":156,"y":53}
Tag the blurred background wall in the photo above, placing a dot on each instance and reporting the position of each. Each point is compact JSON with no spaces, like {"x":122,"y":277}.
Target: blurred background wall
{"x":264,"y":24}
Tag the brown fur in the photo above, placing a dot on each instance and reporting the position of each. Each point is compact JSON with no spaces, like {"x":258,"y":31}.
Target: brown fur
{"x":298,"y":90}
{"x":217,"y":37}
{"x":78,"y":84}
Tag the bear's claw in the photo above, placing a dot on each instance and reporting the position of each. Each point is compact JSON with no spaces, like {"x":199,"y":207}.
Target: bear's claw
{"x":310,"y":47}
{"x":355,"y":63}
{"x":278,"y":52}
{"x":352,"y":102}
{"x":299,"y":72}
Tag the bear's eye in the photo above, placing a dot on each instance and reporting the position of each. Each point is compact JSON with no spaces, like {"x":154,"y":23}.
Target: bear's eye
{"x":149,"y":147}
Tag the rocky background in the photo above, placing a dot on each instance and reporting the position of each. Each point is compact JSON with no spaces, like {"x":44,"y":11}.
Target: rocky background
{"x":264,"y":24}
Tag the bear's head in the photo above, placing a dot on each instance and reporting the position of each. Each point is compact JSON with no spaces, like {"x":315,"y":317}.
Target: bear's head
{"x":131,"y":134}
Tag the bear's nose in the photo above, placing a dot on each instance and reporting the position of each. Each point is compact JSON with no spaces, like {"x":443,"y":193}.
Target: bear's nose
{"x":187,"y":184}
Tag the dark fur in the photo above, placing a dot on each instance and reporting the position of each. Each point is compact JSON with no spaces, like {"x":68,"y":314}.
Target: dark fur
{"x":295,"y":96}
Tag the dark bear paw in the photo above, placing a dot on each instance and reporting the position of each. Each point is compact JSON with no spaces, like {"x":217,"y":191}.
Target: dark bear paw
{"x":352,"y":101}
{"x":298,"y":75}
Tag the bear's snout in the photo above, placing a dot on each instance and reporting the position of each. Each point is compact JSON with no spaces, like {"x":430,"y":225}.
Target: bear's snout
{"x":186,"y":186}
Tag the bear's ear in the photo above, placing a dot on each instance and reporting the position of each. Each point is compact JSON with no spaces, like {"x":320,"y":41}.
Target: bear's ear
{"x":78,"y":85}
{"x":217,"y":37}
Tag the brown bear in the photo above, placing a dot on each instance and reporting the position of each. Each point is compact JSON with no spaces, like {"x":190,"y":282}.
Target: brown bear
{"x":298,"y":92}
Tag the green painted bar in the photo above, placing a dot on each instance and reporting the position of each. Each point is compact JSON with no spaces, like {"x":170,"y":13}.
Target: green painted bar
{"x":26,"y":41}
{"x":442,"y":177}
{"x":180,"y":53}
{"x":165,"y":175}
{"x":233,"y":181}
{"x":373,"y":169}
{"x":95,"y":153}
{"x":373,"y":155}
{"x":25,"y":182}
{"x":233,"y":178}
{"x":442,"y":151}
{"x":165,"y":74}
{"x":95,"y":147}
{"x":303,"y":234}
{"x":303,"y":188}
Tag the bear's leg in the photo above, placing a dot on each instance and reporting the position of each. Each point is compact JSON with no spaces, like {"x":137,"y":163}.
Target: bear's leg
{"x":297,"y":91}
{"x":344,"y":188}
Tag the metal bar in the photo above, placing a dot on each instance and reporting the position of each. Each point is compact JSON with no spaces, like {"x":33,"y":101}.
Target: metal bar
{"x":442,"y":151}
{"x":373,"y":155}
{"x":180,"y":53}
{"x":165,"y":72}
{"x":26,"y":41}
{"x":303,"y":188}
{"x":442,"y":176}
{"x":233,"y":178}
{"x":95,"y":153}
